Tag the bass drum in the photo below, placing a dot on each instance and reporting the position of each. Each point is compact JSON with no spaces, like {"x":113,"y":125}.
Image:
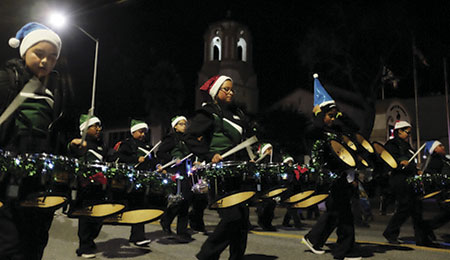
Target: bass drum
{"x":272,"y":179}
{"x":146,"y":200}
{"x":93,"y":197}
{"x":37,"y":180}
{"x":230,"y":183}
{"x":384,"y":157}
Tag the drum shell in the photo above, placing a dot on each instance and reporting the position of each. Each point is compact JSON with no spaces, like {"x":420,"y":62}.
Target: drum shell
{"x":272,"y":177}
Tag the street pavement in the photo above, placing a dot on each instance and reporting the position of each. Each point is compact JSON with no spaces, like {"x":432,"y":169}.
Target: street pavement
{"x":112,"y":242}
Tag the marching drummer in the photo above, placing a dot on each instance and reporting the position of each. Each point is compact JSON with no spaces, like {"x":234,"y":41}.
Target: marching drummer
{"x":92,"y":149}
{"x":30,"y":103}
{"x":408,"y":204}
{"x":266,"y":208}
{"x":135,"y":151}
{"x":173,"y":147}
{"x":438,"y":163}
{"x":338,"y":214}
{"x":293,"y":185}
{"x":214,"y":129}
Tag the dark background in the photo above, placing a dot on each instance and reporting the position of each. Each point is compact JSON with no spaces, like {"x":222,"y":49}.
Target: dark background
{"x":147,"y":46}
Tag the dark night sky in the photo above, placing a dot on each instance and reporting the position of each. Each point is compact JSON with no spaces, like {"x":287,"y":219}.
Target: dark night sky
{"x":135,"y":34}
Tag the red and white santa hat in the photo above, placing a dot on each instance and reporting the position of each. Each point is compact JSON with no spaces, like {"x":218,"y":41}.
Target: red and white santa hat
{"x":401,"y":124}
{"x":213,"y":84}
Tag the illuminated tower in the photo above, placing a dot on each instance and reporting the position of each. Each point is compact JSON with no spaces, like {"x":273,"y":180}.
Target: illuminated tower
{"x":228,"y":51}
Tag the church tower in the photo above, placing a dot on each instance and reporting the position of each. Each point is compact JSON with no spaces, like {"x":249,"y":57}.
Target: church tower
{"x":228,"y":51}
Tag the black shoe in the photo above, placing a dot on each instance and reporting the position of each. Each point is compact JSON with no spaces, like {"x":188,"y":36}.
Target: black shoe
{"x":287,"y":225}
{"x":184,"y":237}
{"x":141,"y":243}
{"x":86,"y":254}
{"x":392,"y":240}
{"x":166,"y":229}
{"x":269,"y":228}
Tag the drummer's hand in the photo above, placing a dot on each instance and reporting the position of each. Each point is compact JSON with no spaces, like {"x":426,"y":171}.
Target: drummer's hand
{"x":316,"y":110}
{"x":159,"y":168}
{"x":77,"y":142}
{"x":178,"y":162}
{"x":404,"y":163}
{"x":252,"y":161}
{"x":216,"y":158}
{"x":419,"y":172}
{"x":141,"y":159}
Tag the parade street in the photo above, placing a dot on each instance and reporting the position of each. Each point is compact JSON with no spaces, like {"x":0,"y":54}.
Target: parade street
{"x":112,"y":242}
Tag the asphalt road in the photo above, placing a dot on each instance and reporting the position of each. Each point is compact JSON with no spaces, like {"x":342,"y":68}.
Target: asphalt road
{"x":112,"y":242}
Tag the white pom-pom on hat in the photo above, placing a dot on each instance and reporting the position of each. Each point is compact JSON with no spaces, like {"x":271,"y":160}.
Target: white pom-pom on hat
{"x":315,"y":75}
{"x":14,"y":42}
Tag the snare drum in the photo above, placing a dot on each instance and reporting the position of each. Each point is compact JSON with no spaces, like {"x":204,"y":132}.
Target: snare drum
{"x":96,"y":181}
{"x":146,"y":200}
{"x":272,"y":179}
{"x":230,"y":183}
{"x":38,"y":180}
{"x":425,"y":185}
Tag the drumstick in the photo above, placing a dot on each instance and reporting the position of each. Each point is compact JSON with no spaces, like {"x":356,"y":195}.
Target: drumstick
{"x":184,"y":158}
{"x":260,"y":158}
{"x":149,"y":152}
{"x":414,"y":155}
{"x":250,"y":153}
{"x":174,"y":161}
{"x":240,"y":146}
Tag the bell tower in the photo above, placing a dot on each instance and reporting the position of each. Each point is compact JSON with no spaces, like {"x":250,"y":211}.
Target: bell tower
{"x":228,"y":51}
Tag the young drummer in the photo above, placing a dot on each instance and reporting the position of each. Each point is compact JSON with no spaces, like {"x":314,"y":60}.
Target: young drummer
{"x":214,"y":129}
{"x":91,"y":150}
{"x":30,"y":100}
{"x":174,"y":147}
{"x":135,"y":151}
{"x":407,"y":202}
{"x":338,"y":214}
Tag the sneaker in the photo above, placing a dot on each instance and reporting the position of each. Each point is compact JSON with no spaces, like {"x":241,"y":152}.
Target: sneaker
{"x":86,"y":255}
{"x":352,"y":258}
{"x":311,"y":247}
{"x":141,"y":243}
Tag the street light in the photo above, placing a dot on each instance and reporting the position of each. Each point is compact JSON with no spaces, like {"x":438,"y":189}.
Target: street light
{"x":59,"y":20}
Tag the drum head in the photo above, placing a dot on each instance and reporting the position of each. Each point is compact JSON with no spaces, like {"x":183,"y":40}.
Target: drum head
{"x":299,"y":196}
{"x":342,"y":153}
{"x":364,"y":143}
{"x":233,"y":199}
{"x":137,"y":216}
{"x":274,"y":192}
{"x":45,"y":202}
{"x":430,"y":195}
{"x":316,"y":199}
{"x":1,"y":204}
{"x":384,"y":155}
{"x":362,"y":161}
{"x":98,"y":210}
{"x":348,"y":142}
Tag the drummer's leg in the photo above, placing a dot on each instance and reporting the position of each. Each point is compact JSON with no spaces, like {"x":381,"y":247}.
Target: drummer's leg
{"x":183,"y":219}
{"x":88,"y":230}
{"x":199,"y":204}
{"x":238,"y":242}
{"x":137,"y":233}
{"x":9,"y":235}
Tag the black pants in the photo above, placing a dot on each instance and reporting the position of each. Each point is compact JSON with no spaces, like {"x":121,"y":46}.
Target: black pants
{"x":199,"y":204}
{"x":181,"y":210}
{"x":231,"y":231}
{"x":292,"y":213}
{"x":23,"y":232}
{"x":265,"y":210}
{"x":137,"y":233}
{"x":338,"y":215}
{"x":88,"y":230}
{"x":407,"y":205}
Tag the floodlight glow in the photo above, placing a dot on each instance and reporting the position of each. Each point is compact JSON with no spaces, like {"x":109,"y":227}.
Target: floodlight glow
{"x":57,"y":19}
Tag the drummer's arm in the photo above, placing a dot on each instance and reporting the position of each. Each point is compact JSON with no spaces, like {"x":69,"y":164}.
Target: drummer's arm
{"x":200,"y":126}
{"x":76,"y":148}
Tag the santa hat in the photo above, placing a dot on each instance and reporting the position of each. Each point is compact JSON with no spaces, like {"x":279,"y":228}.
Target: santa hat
{"x":401,"y":124}
{"x":430,"y":146}
{"x":287,"y":158}
{"x":321,"y":96}
{"x":177,"y":119}
{"x":136,"y":125}
{"x":263,"y":148}
{"x":213,"y":84}
{"x":92,"y":121}
{"x":32,"y":33}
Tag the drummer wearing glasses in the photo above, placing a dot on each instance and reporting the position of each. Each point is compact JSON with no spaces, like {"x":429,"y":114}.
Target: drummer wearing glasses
{"x":215,"y":128}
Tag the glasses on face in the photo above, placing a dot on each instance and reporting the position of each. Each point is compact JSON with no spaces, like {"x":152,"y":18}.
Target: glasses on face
{"x":407,"y":132}
{"x":228,"y":90}
{"x":332,"y":115}
{"x":96,"y":126}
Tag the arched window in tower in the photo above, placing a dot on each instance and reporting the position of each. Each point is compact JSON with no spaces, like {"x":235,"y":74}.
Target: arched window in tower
{"x":242,"y":49}
{"x":216,"y":49}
